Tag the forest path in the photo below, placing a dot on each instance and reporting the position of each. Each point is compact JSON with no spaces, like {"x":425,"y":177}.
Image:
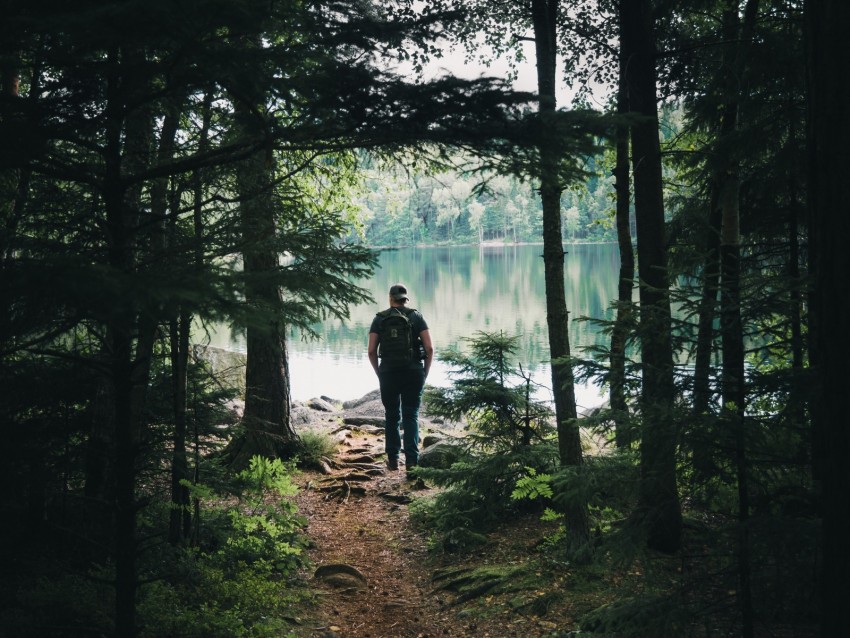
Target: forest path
{"x":374,"y":575}
{"x":369,"y":529}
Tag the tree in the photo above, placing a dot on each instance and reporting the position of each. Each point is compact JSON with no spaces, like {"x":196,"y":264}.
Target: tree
{"x":124,"y":111}
{"x":620,"y":330}
{"x":829,"y":136}
{"x":659,"y":508}
{"x":553,"y":163}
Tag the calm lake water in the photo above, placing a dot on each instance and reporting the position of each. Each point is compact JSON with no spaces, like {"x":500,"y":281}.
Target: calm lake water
{"x":460,"y":291}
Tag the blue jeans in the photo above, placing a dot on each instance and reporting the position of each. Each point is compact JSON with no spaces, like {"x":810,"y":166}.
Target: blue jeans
{"x":401,"y":394}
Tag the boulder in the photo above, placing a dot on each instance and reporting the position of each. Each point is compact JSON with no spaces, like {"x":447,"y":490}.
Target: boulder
{"x":228,"y":367}
{"x":341,"y":575}
{"x":431,"y":439}
{"x":301,"y":415}
{"x":374,"y":395}
{"x":441,"y":455}
{"x":320,"y":405}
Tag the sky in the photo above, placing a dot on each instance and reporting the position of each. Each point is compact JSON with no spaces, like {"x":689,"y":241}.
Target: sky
{"x":454,"y":62}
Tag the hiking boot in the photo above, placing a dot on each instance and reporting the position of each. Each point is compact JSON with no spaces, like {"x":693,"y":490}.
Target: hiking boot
{"x":392,"y":464}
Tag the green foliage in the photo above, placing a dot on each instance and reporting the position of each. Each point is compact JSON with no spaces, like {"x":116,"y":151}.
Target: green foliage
{"x":501,"y":416}
{"x":647,"y":616}
{"x":606,"y":483}
{"x":459,"y":207}
{"x":314,"y":446}
{"x":479,"y":487}
{"x":243,"y":582}
{"x":533,"y":485}
{"x":214,"y":599}
{"x":508,"y":439}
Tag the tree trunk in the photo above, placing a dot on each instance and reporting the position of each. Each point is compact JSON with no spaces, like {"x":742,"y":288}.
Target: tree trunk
{"x":701,"y":441}
{"x":658,"y":509}
{"x":178,"y":331}
{"x":121,"y":259}
{"x":707,"y":312}
{"x":268,"y":427}
{"x":731,"y":325}
{"x":829,"y":138}
{"x":544,"y":14}
{"x":619,"y":334}
{"x":129,"y":136}
{"x":795,"y":299}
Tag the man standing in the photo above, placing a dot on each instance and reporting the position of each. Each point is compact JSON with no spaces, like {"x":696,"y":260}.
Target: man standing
{"x":401,"y":352}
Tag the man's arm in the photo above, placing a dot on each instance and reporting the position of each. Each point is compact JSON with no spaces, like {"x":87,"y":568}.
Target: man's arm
{"x":373,"y":350}
{"x":425,"y":336}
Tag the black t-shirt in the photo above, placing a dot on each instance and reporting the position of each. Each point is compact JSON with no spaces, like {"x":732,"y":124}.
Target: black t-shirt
{"x":417,"y":324}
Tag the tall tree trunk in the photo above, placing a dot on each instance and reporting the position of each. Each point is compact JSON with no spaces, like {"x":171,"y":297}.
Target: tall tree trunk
{"x":829,"y":138}
{"x":731,"y":325}
{"x":268,"y":427}
{"x":658,"y":509}
{"x":702,"y":392}
{"x":178,"y":328}
{"x":544,"y":15}
{"x":619,"y":334}
{"x":701,"y":441}
{"x":121,"y":258}
{"x":795,"y":297}
{"x":129,"y":137}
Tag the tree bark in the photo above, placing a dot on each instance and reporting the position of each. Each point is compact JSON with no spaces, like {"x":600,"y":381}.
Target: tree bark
{"x":178,"y":332}
{"x":268,"y":427}
{"x":619,"y":406}
{"x":733,"y":382}
{"x":827,"y":24}
{"x":658,"y":508}
{"x":544,"y":17}
{"x":132,"y":327}
{"x":702,"y":392}
{"x":126,"y":436}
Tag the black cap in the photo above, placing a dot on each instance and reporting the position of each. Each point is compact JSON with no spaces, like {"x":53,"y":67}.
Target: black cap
{"x":399,"y":292}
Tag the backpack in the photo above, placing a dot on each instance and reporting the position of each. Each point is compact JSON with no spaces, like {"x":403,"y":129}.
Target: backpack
{"x":396,"y":341}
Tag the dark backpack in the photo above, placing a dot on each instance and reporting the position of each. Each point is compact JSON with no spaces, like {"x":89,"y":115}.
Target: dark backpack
{"x":396,"y":342}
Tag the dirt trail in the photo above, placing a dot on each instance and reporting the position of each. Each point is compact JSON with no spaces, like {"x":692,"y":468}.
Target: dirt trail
{"x":372,"y":533}
{"x":374,"y":569}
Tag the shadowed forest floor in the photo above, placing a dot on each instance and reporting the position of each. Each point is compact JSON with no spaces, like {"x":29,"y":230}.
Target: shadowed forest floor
{"x":375,"y":576}
{"x":376,"y":573}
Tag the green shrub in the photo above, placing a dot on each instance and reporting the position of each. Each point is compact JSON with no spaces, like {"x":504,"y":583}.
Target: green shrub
{"x":314,"y":446}
{"x":243,"y":581}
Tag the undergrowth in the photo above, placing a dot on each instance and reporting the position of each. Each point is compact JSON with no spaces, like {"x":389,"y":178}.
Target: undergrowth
{"x":239,"y":578}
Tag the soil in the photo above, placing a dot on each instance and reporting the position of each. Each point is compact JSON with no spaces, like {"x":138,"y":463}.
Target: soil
{"x":374,"y":571}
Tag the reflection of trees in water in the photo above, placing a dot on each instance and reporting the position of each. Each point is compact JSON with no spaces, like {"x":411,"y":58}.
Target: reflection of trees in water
{"x":461,"y":290}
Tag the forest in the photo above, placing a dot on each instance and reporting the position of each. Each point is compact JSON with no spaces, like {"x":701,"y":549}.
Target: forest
{"x":167,"y":165}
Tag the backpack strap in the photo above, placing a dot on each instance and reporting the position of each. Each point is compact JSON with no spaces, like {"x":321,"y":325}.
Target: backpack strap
{"x":402,"y":309}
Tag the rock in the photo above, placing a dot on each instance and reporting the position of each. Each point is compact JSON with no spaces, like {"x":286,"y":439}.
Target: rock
{"x":341,"y":575}
{"x":228,"y":367}
{"x":441,"y":455}
{"x":300,"y":415}
{"x":321,"y":405}
{"x":364,"y":420}
{"x":374,"y":395}
{"x":403,"y":499}
{"x":343,"y":581}
{"x":431,"y":439}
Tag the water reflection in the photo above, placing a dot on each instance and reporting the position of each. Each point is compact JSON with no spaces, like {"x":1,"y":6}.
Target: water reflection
{"x":460,"y":291}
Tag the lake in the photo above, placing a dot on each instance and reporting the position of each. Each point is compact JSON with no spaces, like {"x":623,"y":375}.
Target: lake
{"x":460,"y":291}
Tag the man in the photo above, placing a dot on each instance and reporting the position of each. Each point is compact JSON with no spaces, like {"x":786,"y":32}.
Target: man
{"x":401,"y":352}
